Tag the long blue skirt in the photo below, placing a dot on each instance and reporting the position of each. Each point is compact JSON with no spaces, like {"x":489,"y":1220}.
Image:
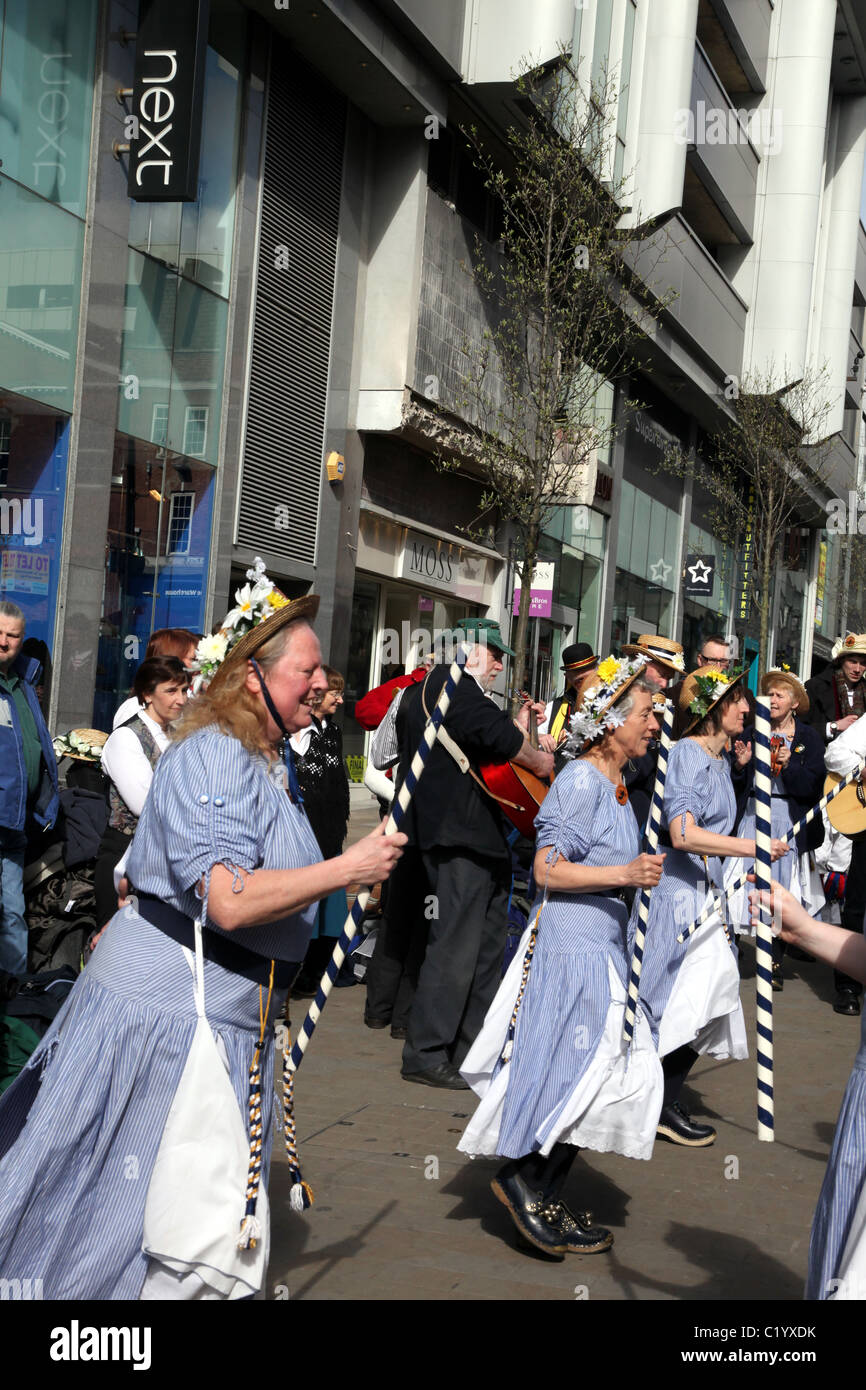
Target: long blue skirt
{"x":81,"y":1126}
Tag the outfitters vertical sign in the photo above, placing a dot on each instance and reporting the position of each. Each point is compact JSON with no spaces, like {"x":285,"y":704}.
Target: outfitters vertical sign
{"x":168,"y":88}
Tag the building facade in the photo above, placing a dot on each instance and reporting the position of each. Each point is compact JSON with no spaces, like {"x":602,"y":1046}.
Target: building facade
{"x":175,"y":374}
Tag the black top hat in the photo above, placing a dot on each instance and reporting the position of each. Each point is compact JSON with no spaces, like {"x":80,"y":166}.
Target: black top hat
{"x":578,"y":657}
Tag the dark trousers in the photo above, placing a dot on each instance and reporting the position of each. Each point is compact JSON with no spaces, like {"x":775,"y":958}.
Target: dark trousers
{"x":113,"y":847}
{"x":546,"y":1176}
{"x":392,"y":975}
{"x":463,"y":961}
{"x":854,"y":909}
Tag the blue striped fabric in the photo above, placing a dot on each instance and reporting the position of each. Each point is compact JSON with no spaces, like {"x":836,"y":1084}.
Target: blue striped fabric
{"x":74,"y":1179}
{"x":702,"y":785}
{"x":562,"y":1016}
{"x":213,"y":802}
{"x":843,"y":1181}
{"x":73,"y":1186}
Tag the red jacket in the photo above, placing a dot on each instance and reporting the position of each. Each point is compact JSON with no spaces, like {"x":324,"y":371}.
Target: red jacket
{"x":372,"y":707}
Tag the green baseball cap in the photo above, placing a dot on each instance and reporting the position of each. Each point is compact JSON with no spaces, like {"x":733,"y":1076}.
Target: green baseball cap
{"x":486,"y":631}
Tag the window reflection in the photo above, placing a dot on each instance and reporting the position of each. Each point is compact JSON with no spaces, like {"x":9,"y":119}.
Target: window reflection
{"x":156,"y":558}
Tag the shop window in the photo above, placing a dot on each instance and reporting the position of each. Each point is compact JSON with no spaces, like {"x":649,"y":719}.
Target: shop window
{"x":34,"y":444}
{"x":47,"y":53}
{"x":195,"y":430}
{"x":41,"y":250}
{"x":173,"y":347}
{"x":179,"y":523}
{"x":157,"y":548}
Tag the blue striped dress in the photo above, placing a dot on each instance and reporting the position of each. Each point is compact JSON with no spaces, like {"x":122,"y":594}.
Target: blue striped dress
{"x":687,"y":988}
{"x":81,"y":1126}
{"x":569,"y":1078}
{"x":841,"y":1190}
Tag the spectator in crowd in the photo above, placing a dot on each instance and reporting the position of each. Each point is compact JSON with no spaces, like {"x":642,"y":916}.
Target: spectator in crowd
{"x":28,"y":781}
{"x":177,"y":642}
{"x":837,"y":699}
{"x":715,"y":651}
{"x":798,"y":780}
{"x":129,"y":757}
{"x":324,"y":784}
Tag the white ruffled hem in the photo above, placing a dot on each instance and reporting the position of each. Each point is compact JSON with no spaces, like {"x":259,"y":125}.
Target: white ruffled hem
{"x":704,"y":1007}
{"x":615,"y":1106}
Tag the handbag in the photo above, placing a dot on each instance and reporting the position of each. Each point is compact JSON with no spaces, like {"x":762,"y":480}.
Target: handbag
{"x":196,"y":1197}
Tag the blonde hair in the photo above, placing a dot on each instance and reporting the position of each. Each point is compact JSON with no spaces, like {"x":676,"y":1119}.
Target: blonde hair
{"x":228,"y":703}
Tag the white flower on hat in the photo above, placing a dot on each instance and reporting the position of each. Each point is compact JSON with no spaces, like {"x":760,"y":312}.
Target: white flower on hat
{"x":592,"y":719}
{"x":212,"y":648}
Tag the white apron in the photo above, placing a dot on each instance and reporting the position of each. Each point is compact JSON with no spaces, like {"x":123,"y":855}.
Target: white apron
{"x":197,"y":1193}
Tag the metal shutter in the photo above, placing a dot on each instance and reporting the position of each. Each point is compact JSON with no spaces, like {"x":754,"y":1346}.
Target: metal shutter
{"x":285,"y":426}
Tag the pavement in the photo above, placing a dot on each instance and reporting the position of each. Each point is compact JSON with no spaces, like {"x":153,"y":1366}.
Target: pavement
{"x":399,"y":1214}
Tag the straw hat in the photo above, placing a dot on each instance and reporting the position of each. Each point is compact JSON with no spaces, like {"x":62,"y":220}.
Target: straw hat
{"x":662,"y":651}
{"x":853,"y":644}
{"x":696,"y":686}
{"x":595,"y":713}
{"x":90,"y":739}
{"x":787,"y":678}
{"x":296,"y":609}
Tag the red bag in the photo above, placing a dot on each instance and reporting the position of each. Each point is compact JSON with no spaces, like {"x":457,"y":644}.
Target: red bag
{"x":372,"y":707}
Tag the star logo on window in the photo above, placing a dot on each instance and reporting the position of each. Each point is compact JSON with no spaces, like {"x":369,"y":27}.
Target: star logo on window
{"x":659,"y":572}
{"x":700,"y":572}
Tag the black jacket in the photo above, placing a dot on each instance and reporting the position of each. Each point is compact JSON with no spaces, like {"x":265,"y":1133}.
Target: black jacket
{"x":449,"y":808}
{"x":824,"y":706}
{"x":802,"y":779}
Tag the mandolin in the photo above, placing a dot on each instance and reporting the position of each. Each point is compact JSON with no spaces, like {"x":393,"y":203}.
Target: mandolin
{"x":518,"y":791}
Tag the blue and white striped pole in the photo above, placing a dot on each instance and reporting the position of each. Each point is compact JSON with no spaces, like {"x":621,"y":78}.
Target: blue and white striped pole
{"x":764,"y":883}
{"x":351,"y":933}
{"x":652,"y":837}
{"x":790,"y":836}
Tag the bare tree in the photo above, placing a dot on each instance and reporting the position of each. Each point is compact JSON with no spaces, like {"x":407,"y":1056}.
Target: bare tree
{"x":564,"y":313}
{"x":764,"y":471}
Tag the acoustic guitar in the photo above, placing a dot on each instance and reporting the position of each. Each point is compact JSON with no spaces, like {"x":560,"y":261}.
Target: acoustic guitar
{"x":518,"y":791}
{"x":847,"y":811}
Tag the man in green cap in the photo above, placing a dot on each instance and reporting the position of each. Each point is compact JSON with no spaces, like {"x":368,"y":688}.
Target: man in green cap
{"x":456,"y":826}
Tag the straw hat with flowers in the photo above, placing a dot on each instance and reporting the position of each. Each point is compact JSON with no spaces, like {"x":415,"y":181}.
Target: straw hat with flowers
{"x":597,"y":711}
{"x":704,"y":688}
{"x":260,"y":612}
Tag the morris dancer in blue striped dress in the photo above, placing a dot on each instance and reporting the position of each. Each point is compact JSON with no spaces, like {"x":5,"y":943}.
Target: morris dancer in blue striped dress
{"x":837,"y":1250}
{"x":691,"y":989}
{"x":218,"y":826}
{"x":570,"y":1082}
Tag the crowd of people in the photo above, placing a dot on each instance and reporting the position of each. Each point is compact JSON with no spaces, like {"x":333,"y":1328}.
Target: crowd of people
{"x":221,"y":884}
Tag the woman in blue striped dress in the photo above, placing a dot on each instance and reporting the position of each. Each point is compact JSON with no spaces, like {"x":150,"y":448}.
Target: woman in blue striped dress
{"x":837,"y":1250}
{"x":691,"y":989}
{"x":570,"y":1082}
{"x":82,"y":1127}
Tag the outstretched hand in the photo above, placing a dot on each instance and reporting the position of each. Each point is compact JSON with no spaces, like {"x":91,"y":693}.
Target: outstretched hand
{"x":372,"y":859}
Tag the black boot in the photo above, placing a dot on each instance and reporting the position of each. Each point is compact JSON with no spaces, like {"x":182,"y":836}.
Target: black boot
{"x":581,"y":1237}
{"x":537,"y":1220}
{"x":674,"y":1123}
{"x":680,"y":1128}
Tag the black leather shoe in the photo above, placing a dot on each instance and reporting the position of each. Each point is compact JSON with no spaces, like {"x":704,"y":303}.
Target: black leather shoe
{"x":370,"y":1021}
{"x":537,"y":1220}
{"x":399,"y":1032}
{"x":680,"y":1128}
{"x":778,"y":979}
{"x":444,"y":1076}
{"x":581,"y":1237}
{"x":847,"y":1002}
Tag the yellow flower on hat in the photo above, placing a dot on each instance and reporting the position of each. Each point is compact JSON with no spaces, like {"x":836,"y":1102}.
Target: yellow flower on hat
{"x":608,"y":669}
{"x":710,"y":673}
{"x":276,"y":599}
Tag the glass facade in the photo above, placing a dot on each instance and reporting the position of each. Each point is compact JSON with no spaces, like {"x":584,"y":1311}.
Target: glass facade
{"x":647,"y":564}
{"x":47,"y":55}
{"x":703,"y":616}
{"x":171,"y":389}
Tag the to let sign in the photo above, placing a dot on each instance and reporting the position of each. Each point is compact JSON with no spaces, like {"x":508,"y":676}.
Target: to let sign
{"x":167,"y":100}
